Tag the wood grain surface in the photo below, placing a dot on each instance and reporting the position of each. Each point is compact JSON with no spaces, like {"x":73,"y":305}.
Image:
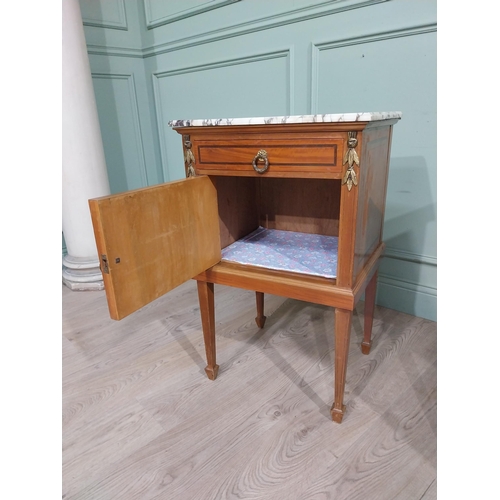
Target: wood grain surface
{"x":372,"y":187}
{"x":301,"y":150}
{"x":154,"y":239}
{"x":142,"y":421}
{"x":303,"y":205}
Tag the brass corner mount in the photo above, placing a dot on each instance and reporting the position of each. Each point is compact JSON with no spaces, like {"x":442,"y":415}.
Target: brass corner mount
{"x":188,"y":156}
{"x":351,"y":158}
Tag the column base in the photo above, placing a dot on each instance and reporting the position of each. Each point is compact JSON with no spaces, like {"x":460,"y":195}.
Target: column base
{"x":82,"y":274}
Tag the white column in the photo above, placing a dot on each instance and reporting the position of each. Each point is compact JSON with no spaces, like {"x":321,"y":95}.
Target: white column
{"x":84,"y":174}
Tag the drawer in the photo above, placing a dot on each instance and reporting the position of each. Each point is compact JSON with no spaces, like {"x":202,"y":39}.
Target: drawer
{"x":300,"y":156}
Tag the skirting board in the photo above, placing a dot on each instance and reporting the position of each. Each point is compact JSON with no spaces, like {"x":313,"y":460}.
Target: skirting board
{"x":408,"y":298}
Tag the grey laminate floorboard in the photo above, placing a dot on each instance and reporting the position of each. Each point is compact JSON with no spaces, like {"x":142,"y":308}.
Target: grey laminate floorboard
{"x":142,"y":421}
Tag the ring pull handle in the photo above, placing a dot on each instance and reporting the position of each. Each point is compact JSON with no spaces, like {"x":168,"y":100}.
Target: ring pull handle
{"x":259,"y":157}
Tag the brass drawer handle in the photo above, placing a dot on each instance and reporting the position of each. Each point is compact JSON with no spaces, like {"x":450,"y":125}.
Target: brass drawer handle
{"x":260,"y":156}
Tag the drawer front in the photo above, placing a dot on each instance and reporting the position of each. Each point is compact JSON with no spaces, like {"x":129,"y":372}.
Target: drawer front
{"x":305,"y":155}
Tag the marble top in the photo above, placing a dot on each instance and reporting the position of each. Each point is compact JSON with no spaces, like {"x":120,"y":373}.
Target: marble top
{"x":269,"y":120}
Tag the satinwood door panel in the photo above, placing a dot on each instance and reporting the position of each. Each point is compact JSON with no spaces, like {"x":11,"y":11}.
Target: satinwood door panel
{"x":153,"y":239}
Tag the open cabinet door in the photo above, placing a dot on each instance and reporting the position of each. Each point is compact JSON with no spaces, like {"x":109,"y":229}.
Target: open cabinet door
{"x":153,"y":239}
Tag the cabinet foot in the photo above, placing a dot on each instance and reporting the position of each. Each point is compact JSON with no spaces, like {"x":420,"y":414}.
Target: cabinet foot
{"x":342,"y":336}
{"x":212,"y":372}
{"x":337,"y":413}
{"x":260,"y":319}
{"x":365,"y":347}
{"x":207,"y":310}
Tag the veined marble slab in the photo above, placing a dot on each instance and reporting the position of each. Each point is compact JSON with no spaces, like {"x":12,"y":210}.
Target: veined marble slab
{"x":329,"y":118}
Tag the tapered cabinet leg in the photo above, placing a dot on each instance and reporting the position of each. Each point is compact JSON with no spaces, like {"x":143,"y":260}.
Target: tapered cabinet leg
{"x":207,"y":309}
{"x":260,"y":319}
{"x":343,"y":320}
{"x":370,"y":293}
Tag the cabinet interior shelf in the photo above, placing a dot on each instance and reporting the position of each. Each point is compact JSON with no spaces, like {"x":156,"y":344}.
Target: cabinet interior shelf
{"x":292,"y":251}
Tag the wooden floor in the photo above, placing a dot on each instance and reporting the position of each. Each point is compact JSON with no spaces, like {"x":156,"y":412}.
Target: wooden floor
{"x":142,"y":421}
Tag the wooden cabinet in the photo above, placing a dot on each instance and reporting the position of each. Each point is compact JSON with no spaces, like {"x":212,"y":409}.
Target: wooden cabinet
{"x":309,"y":190}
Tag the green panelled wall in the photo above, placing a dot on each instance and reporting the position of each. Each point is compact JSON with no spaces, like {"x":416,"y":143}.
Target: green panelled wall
{"x":154,"y":60}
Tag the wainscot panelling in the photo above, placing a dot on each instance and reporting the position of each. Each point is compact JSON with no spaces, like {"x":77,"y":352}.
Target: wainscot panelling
{"x":330,"y":57}
{"x":229,"y":87}
{"x":235,"y":20}
{"x":242,"y":18}
{"x":408,"y":274}
{"x":408,"y":283}
{"x":159,"y":12}
{"x":104,"y":14}
{"x":114,"y":27}
{"x":276,"y":57}
{"x":403,"y":295}
{"x":121,"y":131}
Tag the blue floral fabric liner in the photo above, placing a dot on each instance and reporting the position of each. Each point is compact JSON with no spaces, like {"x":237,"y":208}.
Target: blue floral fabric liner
{"x":286,"y":251}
